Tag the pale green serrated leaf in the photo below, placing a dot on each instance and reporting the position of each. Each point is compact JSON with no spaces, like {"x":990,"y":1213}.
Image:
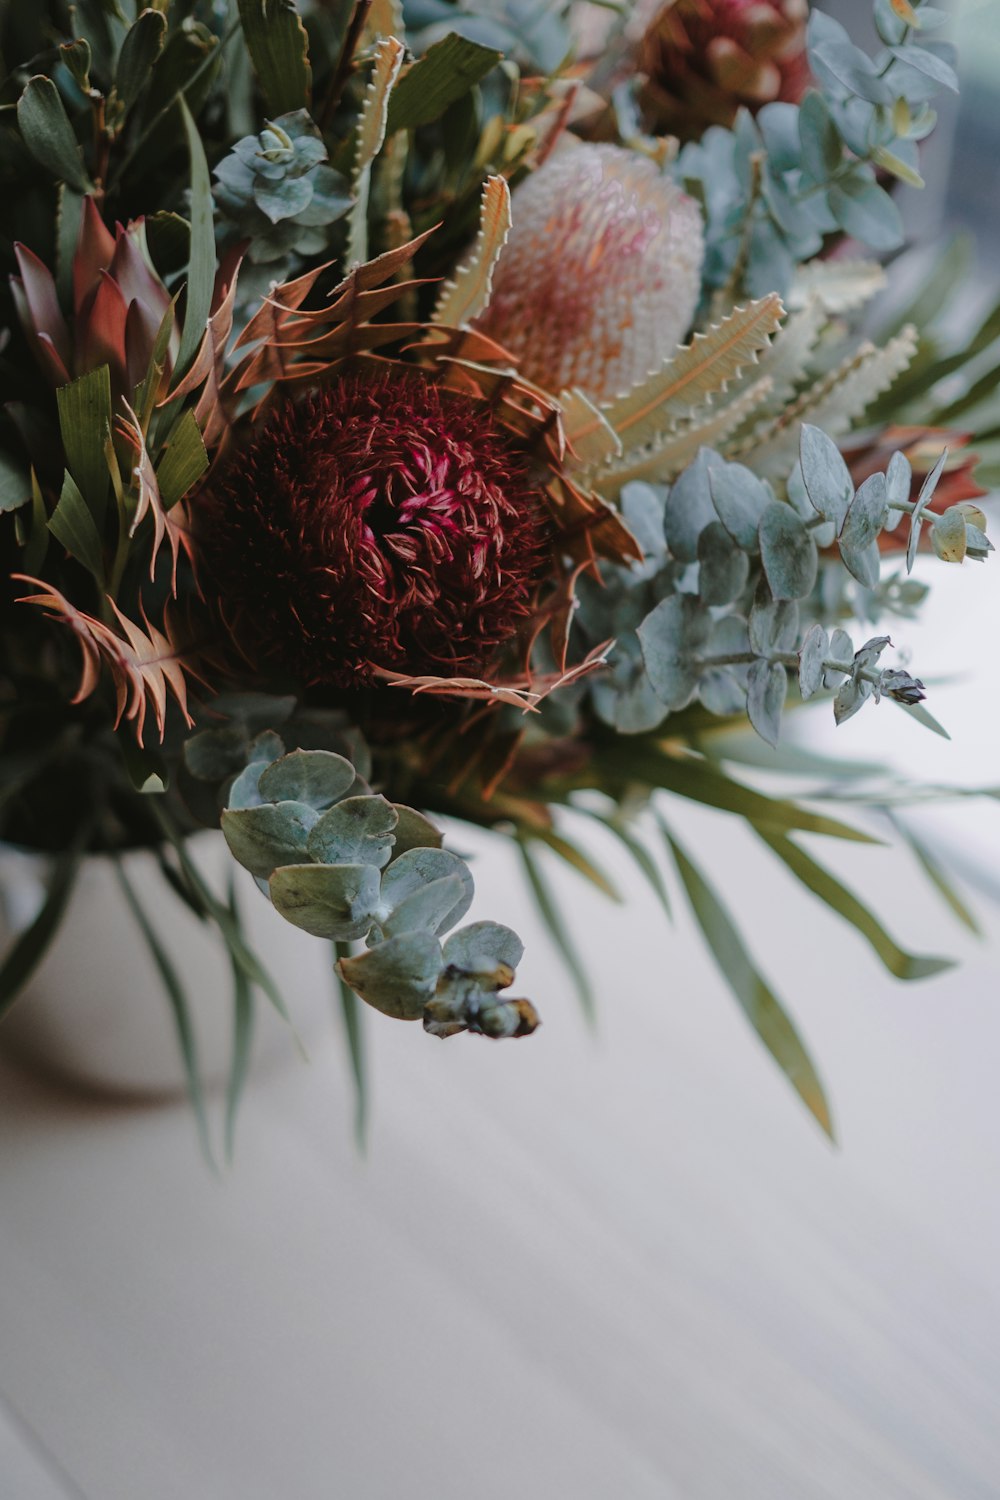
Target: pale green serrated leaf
{"x":369,"y":135}
{"x":464,"y":296}
{"x":699,"y":371}
{"x":834,"y":403}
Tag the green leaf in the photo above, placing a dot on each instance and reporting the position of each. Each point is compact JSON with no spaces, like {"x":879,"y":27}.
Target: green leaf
{"x":787,"y":552}
{"x":700,"y":782}
{"x":759,"y":1003}
{"x":72,"y":524}
{"x":639,"y":853}
{"x":315,"y":777}
{"x":867,"y":212}
{"x":579,"y":861}
{"x":220,"y":914}
{"x":184,"y":460}
{"x":816,"y":878}
{"x":825,"y":474}
{"x":767,"y":684}
{"x":140,"y":49}
{"x":553,"y":919}
{"x":49,"y":135}
{"x":243,"y":1019}
{"x":397,"y":977}
{"x":447,"y":70}
{"x":740,"y":500}
{"x":279,"y":49}
{"x":354,"y":1031}
{"x":201,"y":264}
{"x":938,"y":877}
{"x":15,"y":485}
{"x":418,"y":868}
{"x":28,"y":950}
{"x":359,"y":830}
{"x":330,"y":901}
{"x":262,"y":838}
{"x":85,"y":424}
{"x":186,"y":1038}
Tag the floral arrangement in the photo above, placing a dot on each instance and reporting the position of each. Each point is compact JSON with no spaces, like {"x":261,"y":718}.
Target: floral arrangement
{"x":454,"y":409}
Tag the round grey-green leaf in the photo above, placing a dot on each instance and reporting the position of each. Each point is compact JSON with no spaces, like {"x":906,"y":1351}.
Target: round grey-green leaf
{"x":825,"y":474}
{"x":723,"y":567}
{"x":419,"y":867}
{"x":812,"y":653}
{"x":482,"y":947}
{"x":339,"y":902}
{"x":317,"y":777}
{"x":262,"y":838}
{"x":787,"y":552}
{"x":740,"y":499}
{"x":397,"y":977}
{"x":358,"y":830}
{"x":671,"y":636}
{"x":767,"y":683}
{"x":427,"y":909}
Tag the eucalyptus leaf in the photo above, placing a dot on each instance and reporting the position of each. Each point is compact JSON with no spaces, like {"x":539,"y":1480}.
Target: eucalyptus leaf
{"x":419,"y":867}
{"x":812,"y":653}
{"x":767,"y":684}
{"x":358,"y":830}
{"x":723,"y":566}
{"x":397,"y":977}
{"x":261,"y":838}
{"x":740,"y":500}
{"x":825,"y":474}
{"x":330,"y":901}
{"x":788,"y":553}
{"x":315,"y":777}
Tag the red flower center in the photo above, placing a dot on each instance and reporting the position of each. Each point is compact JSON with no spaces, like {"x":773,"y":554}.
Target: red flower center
{"x":382,"y":521}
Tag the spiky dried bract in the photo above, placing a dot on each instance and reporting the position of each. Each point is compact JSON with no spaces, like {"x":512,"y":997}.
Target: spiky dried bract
{"x":601,"y":275}
{"x":382,"y":522}
{"x":705,"y":59}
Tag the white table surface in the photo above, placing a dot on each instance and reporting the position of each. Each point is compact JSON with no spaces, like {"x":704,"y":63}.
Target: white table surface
{"x":587,"y":1266}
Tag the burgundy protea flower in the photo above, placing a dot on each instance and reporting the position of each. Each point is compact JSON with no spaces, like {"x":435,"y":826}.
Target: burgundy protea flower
{"x":601,"y":274}
{"x":705,"y":59}
{"x":119,"y":303}
{"x":384,"y":521}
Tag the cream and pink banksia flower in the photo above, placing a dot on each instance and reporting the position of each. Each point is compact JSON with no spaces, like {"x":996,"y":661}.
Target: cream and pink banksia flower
{"x":599,"y":280}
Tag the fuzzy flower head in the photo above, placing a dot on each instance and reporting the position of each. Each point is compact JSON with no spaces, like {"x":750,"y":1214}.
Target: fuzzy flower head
{"x":384,"y":521}
{"x":601,"y":275}
{"x":705,"y":59}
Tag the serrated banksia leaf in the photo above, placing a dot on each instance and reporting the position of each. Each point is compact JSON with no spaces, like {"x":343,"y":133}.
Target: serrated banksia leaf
{"x":706,"y":59}
{"x":601,"y":273}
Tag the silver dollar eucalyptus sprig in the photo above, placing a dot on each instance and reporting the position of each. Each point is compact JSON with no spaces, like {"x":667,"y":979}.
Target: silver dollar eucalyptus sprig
{"x":719,"y":611}
{"x":340,"y":862}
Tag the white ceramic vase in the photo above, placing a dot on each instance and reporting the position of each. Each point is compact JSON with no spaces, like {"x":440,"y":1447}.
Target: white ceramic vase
{"x":95,"y":1012}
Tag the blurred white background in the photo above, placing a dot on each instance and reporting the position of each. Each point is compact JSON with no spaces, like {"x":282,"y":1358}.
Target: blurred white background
{"x":594,"y":1264}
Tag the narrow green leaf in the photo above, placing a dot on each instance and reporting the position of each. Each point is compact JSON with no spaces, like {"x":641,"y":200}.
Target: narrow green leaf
{"x":72,"y":524}
{"x":762,"y":1008}
{"x":580,"y":862}
{"x":201,"y":265}
{"x":85,"y":424}
{"x":184,"y":460}
{"x":553,"y":919}
{"x":447,"y":70}
{"x":639,"y":853}
{"x":700,"y":782}
{"x":220,"y":914}
{"x":816,"y":878}
{"x":28,"y":950}
{"x":140,"y":49}
{"x":938,"y":877}
{"x":49,"y":135}
{"x":350,"y":1011}
{"x":279,"y":50}
{"x":180,"y":1009}
{"x":243,"y":1019}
